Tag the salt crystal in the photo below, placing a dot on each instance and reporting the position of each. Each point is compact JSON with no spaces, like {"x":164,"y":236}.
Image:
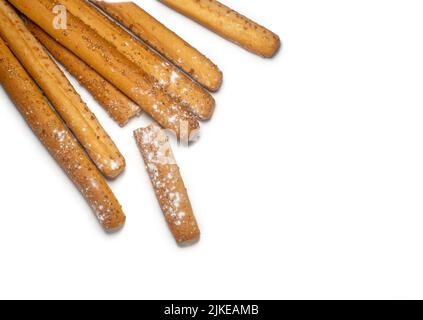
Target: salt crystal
{"x":173,"y":77}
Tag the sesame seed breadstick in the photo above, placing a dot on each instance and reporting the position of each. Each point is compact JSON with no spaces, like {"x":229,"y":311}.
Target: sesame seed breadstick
{"x":167,"y":183}
{"x":117,"y":105}
{"x":165,"y":41}
{"x":80,"y":120}
{"x":229,"y":24}
{"x":167,"y":76}
{"x":112,"y":65}
{"x":51,"y":131}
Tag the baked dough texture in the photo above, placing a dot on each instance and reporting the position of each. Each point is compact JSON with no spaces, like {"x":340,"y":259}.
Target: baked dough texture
{"x":58,"y":140}
{"x":67,"y":102}
{"x":229,"y":24}
{"x":119,"y":107}
{"x":165,"y":41}
{"x":170,"y":78}
{"x":103,"y":57}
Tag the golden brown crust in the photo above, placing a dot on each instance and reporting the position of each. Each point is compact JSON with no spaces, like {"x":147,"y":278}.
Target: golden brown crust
{"x":165,"y":41}
{"x":167,"y":76}
{"x":112,"y":65}
{"x":81,"y":121}
{"x":58,"y":140}
{"x":229,"y":24}
{"x":167,"y":183}
{"x":115,"y":103}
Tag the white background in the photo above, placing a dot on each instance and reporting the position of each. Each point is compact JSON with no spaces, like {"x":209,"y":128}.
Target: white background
{"x":307,"y":183}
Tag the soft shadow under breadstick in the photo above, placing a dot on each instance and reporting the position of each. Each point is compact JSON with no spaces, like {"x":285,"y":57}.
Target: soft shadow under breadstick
{"x":167,"y":183}
{"x":165,"y":41}
{"x":167,"y":76}
{"x":229,"y":24}
{"x":103,"y":57}
{"x":59,"y":141}
{"x":80,"y":120}
{"x":117,"y":105}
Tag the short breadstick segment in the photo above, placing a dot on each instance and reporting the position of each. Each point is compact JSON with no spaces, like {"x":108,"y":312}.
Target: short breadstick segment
{"x":115,"y":103}
{"x":229,"y":24}
{"x":177,"y":84}
{"x":67,"y":102}
{"x":167,"y":183}
{"x":165,"y":41}
{"x":51,"y":131}
{"x":104,"y":58}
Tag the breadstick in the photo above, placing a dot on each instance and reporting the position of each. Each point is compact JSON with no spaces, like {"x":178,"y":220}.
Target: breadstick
{"x":47,"y":126}
{"x":165,"y":41}
{"x":167,"y":76}
{"x":229,"y":24}
{"x":117,"y":105}
{"x":112,"y":65}
{"x":80,"y":120}
{"x":167,"y":183}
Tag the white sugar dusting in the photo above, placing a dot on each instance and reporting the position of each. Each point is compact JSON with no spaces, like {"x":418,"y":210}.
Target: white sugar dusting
{"x":172,"y":118}
{"x":173,"y":77}
{"x":114,"y":165}
{"x":164,"y":175}
{"x":162,"y":82}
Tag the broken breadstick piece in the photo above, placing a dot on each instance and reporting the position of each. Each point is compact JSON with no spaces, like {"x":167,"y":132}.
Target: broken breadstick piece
{"x":229,"y":24}
{"x":117,"y":105}
{"x":67,"y":102}
{"x":165,"y":41}
{"x":58,"y":140}
{"x":165,"y":75}
{"x":167,"y":183}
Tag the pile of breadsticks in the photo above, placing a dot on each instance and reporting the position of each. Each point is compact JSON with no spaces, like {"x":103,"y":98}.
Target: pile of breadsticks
{"x":149,"y":70}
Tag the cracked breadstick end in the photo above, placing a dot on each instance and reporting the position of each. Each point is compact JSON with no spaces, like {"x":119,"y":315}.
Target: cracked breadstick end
{"x":119,"y":107}
{"x":103,"y":57}
{"x":165,"y":41}
{"x":165,"y":75}
{"x":167,"y":183}
{"x":67,"y":102}
{"x":58,"y":140}
{"x":229,"y":24}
